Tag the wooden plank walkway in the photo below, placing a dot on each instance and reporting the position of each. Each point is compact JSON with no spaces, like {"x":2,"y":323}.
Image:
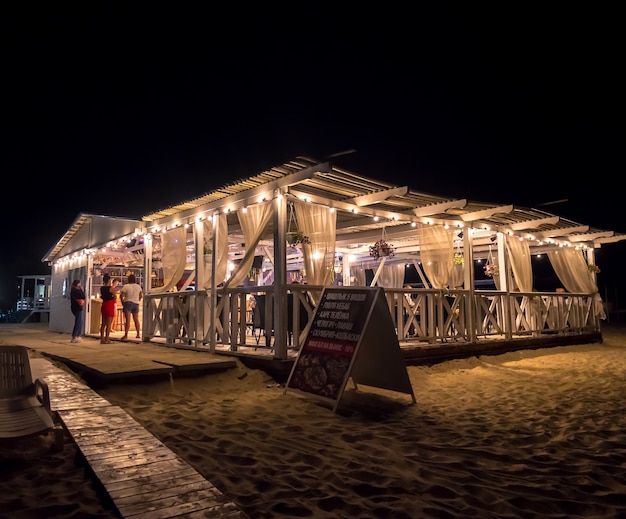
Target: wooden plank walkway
{"x":143,"y":478}
{"x":101,"y":364}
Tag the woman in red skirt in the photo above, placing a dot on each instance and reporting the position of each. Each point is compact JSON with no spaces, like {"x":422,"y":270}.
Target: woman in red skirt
{"x":108,"y":293}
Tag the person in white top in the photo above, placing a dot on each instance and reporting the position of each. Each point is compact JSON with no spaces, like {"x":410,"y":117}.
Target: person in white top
{"x":131,"y":296}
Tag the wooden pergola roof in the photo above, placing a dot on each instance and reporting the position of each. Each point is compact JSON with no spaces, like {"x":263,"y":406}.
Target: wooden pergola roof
{"x":365,"y":205}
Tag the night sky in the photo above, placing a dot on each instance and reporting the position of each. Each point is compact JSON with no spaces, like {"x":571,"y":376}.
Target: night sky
{"x":122,"y":112}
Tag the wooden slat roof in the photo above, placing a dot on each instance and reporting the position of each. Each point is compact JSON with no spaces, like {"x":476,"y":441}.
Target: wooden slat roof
{"x":359,"y":200}
{"x":395,"y":206}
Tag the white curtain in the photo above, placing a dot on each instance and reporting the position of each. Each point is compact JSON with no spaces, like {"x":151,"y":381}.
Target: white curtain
{"x":570,"y":266}
{"x":319,"y":224}
{"x":457,"y":276}
{"x":437,"y":253}
{"x":253,"y":221}
{"x":521,"y":265}
{"x":392,"y":276}
{"x":221,"y":252}
{"x":174,"y":257}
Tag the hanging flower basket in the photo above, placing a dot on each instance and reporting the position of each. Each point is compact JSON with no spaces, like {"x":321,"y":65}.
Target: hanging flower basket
{"x":298,"y":238}
{"x":491,"y":270}
{"x":593,"y":268}
{"x":381,"y":248}
{"x":458,"y":258}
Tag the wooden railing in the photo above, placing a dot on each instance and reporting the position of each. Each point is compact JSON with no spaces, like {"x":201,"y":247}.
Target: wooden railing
{"x":245,"y":315}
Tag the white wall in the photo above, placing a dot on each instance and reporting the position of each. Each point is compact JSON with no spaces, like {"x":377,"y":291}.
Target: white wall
{"x":61,"y":317}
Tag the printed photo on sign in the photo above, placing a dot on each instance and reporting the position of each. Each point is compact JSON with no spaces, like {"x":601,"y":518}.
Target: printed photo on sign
{"x":320,"y":374}
{"x":323,"y":364}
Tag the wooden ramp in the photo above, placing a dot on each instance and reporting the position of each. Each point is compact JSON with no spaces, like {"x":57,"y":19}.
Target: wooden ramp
{"x":143,"y":478}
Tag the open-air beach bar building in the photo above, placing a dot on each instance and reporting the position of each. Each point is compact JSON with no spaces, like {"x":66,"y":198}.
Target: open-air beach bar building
{"x":240,"y":269}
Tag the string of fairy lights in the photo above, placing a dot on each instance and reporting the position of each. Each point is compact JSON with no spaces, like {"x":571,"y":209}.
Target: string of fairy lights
{"x":119,"y":252}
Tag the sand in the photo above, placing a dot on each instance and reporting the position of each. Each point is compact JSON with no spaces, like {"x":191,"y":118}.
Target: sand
{"x":534,"y":433}
{"x":38,"y":483}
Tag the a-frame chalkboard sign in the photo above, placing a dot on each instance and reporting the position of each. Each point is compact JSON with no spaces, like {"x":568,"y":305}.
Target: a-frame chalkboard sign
{"x":351,"y":336}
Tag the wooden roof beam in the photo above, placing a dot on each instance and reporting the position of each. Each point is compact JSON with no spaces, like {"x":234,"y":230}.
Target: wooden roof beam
{"x":241,"y":198}
{"x":563,"y":232}
{"x":486,"y":213}
{"x":439,"y":208}
{"x":379,"y":196}
{"x":350,"y":207}
{"x":612,"y":239}
{"x":575,"y":238}
{"x":533,"y":224}
{"x":371,"y":235}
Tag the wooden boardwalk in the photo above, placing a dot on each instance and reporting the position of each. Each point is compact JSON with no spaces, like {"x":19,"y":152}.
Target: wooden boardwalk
{"x":143,"y":478}
{"x":117,"y":362}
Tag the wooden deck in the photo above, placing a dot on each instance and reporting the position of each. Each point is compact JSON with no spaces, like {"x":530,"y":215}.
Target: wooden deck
{"x":142,"y":477}
{"x":102,"y":364}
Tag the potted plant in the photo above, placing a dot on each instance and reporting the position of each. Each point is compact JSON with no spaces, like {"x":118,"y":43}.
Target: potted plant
{"x":458,"y":258}
{"x":593,"y":268}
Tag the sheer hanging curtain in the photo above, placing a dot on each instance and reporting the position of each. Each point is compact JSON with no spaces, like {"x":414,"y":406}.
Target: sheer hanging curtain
{"x":571,"y":269}
{"x":521,"y":265}
{"x":319,"y":223}
{"x":253,"y":221}
{"x":392,"y":276}
{"x":174,"y":257}
{"x":221,"y":252}
{"x":457,"y":275}
{"x":437,"y":253}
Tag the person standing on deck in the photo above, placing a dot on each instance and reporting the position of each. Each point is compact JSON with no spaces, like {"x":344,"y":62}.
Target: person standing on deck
{"x":77,"y":303}
{"x":131,"y":296}
{"x":108,"y":293}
